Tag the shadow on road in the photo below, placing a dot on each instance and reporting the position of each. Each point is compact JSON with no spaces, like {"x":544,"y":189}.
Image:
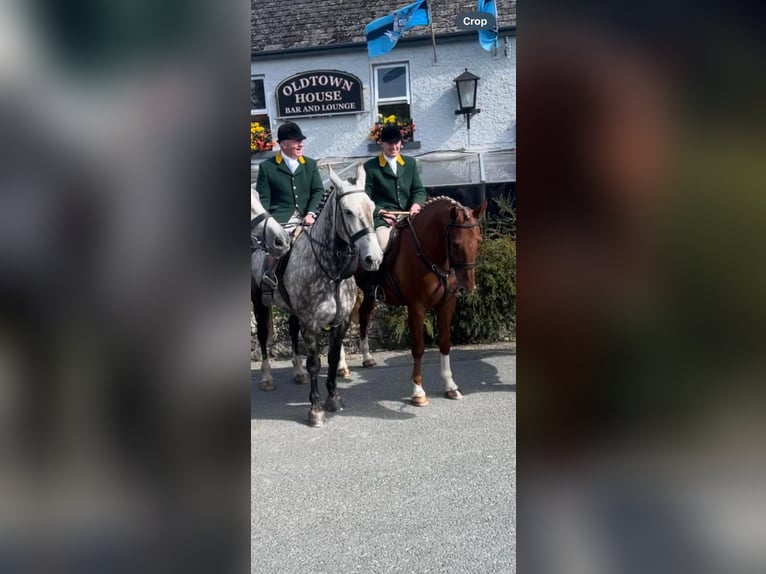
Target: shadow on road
{"x":383,"y":392}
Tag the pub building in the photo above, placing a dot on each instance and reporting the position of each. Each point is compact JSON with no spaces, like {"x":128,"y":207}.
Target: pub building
{"x":310,"y":64}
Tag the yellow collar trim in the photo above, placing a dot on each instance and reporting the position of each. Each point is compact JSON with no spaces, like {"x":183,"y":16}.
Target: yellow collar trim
{"x":382,"y":162}
{"x":279,"y":159}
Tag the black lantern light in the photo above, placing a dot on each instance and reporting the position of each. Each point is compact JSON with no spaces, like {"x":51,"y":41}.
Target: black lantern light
{"x":466,"y":95}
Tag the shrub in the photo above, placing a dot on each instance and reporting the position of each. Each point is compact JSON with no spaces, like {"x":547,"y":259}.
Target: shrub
{"x":489,"y":313}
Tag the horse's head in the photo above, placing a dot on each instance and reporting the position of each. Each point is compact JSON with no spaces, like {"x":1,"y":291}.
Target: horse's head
{"x":354,"y":209}
{"x":463,"y":236}
{"x":265,"y":229}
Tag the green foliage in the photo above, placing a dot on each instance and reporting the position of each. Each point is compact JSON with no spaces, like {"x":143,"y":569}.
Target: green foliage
{"x":503,"y":224}
{"x":394,"y":328}
{"x":489,"y":313}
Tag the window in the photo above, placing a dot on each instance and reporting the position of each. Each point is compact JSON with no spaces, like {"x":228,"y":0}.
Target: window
{"x":392,"y":90}
{"x":257,"y":97}
{"x":258,"y":110}
{"x":259,"y":113}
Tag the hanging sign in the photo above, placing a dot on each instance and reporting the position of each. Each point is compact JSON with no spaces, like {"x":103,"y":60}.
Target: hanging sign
{"x":319,"y":93}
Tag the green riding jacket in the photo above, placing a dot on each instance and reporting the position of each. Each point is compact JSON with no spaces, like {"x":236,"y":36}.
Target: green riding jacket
{"x":393,"y":192}
{"x":282,"y":192}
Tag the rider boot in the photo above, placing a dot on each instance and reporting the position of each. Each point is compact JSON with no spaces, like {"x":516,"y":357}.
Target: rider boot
{"x":269,"y":279}
{"x":372,"y":286}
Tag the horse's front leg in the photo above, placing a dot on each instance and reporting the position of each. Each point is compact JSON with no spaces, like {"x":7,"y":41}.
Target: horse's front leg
{"x":365,"y":318}
{"x":263,"y":328}
{"x":264,"y":319}
{"x":444,"y":323}
{"x":333,"y":402}
{"x":416,"y":317}
{"x":300,"y":376}
{"x":313,"y":364}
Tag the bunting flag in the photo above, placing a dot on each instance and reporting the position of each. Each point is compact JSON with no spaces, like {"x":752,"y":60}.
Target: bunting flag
{"x":488,"y":38}
{"x":383,"y":33}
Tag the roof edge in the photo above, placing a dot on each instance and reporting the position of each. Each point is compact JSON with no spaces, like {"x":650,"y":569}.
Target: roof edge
{"x":447,"y":37}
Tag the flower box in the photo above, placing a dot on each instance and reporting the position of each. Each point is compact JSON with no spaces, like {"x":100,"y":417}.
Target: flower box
{"x":260,"y":138}
{"x":406,"y":127}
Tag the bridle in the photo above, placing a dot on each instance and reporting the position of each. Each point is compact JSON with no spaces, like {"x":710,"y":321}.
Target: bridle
{"x":263,"y":217}
{"x":347,"y":257}
{"x":444,"y":274}
{"x":458,"y":264}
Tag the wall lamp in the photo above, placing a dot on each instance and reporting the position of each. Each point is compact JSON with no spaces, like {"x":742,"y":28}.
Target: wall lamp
{"x":466,"y":95}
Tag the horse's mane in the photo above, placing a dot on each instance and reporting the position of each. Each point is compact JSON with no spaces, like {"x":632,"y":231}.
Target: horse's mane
{"x":443,"y":198}
{"x":322,"y":201}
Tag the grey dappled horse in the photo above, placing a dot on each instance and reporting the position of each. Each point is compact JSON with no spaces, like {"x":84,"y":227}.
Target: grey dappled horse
{"x":317,"y":287}
{"x":265,"y":230}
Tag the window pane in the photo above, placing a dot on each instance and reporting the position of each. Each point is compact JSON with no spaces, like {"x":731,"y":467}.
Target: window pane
{"x":392,"y":82}
{"x":257,"y":95}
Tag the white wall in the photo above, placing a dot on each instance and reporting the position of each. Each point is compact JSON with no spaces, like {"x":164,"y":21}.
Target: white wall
{"x":434,"y":98}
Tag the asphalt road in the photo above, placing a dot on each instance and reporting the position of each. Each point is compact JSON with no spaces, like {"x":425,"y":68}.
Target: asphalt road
{"x":384,"y":486}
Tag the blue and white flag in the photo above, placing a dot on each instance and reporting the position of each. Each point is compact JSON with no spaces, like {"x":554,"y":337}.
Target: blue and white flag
{"x":383,"y":33}
{"x":488,"y":38}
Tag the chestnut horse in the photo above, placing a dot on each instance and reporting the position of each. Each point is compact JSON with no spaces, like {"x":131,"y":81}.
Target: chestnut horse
{"x":428,"y":262}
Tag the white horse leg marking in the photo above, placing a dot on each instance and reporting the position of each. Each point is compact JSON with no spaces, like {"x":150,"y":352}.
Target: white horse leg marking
{"x":451,"y":390}
{"x":343,"y":370}
{"x":417,"y":390}
{"x":300,"y":374}
{"x":364,"y":347}
{"x":267,"y":381}
{"x":266,"y":370}
{"x":446,"y":373}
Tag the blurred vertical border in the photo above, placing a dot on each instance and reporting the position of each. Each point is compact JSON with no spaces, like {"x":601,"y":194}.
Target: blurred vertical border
{"x":641,"y":287}
{"x":124,"y":391}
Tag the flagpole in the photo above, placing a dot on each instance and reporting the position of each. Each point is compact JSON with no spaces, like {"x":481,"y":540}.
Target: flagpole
{"x":433,"y":37}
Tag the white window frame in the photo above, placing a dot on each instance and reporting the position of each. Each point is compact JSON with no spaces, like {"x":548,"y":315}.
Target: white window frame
{"x":406,"y":99}
{"x":260,"y":111}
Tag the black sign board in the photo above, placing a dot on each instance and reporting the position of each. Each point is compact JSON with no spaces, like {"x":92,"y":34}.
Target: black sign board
{"x":319,"y":93}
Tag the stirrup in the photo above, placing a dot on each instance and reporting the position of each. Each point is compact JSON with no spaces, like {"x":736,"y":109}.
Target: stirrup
{"x":379,"y":294}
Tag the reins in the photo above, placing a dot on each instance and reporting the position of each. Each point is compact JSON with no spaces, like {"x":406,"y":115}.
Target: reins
{"x":346,"y":257}
{"x":258,"y":219}
{"x":443,"y":274}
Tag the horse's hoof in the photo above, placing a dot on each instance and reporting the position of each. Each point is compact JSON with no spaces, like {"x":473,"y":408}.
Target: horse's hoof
{"x":302,"y":379}
{"x":367,"y":363}
{"x":454,"y":394}
{"x":334,"y":404}
{"x":419,"y":400}
{"x":268,"y":385}
{"x":344,"y":373}
{"x":316,"y":418}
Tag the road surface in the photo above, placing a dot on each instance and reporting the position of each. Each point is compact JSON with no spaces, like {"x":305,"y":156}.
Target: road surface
{"x":386,"y":486}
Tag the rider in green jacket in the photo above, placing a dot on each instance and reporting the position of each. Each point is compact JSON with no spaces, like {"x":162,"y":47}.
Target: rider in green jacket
{"x":290,"y":188}
{"x":393,"y":184}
